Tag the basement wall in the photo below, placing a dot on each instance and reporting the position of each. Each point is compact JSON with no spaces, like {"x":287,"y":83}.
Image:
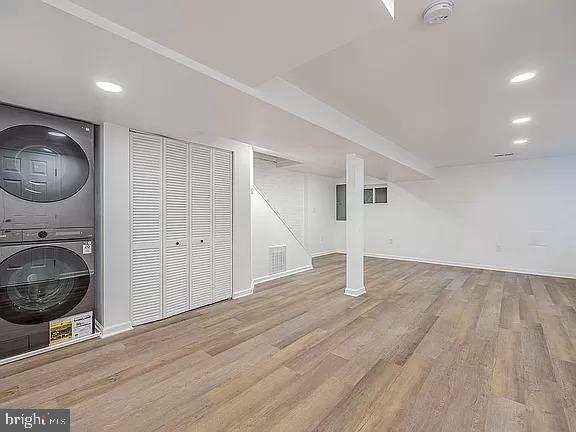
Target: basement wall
{"x":293,"y":209}
{"x":517,"y":216}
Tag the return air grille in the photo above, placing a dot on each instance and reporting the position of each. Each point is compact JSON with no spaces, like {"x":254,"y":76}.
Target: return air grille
{"x":277,"y":258}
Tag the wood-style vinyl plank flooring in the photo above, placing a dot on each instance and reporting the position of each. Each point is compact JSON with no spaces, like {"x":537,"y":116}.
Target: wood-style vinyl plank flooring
{"x":428,"y":348}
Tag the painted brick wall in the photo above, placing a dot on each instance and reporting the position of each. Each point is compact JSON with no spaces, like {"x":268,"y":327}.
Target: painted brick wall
{"x":285,"y":191}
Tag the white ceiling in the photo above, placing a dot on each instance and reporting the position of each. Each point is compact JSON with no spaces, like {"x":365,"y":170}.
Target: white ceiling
{"x":404,"y":91}
{"x":55,"y":58}
{"x":250,"y":40}
{"x":442,"y":91}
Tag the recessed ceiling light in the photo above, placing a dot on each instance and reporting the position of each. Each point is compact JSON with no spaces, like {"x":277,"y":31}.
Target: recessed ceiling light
{"x":521,"y":120}
{"x":57,"y":134}
{"x":523,"y":77}
{"x":520,"y":141}
{"x":109,"y":87}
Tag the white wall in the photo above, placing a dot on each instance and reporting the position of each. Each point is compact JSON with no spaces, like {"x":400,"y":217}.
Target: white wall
{"x":114,"y":233}
{"x":270,"y":230}
{"x":294,"y":208}
{"x":305,"y":202}
{"x":285,"y":191}
{"x":113,"y":241}
{"x":517,"y":216}
{"x":320,"y":209}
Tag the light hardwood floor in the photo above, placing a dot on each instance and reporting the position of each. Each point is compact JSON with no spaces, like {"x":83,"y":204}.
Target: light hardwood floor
{"x":429,"y":348}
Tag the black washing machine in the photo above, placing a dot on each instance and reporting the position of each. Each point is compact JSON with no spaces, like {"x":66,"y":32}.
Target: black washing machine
{"x":46,"y":288}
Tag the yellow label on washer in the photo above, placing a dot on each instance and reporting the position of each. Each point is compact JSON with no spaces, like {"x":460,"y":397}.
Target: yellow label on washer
{"x":60,"y":331}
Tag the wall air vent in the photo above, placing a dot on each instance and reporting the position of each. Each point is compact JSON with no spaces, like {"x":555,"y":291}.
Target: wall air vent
{"x":277,"y":259}
{"x":499,"y":155}
{"x":279,"y":161}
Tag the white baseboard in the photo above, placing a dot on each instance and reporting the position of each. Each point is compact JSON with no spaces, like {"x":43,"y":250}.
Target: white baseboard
{"x":355,"y":292}
{"x":48,"y":349}
{"x":472,"y":265}
{"x":98,"y":326}
{"x":243,"y":293}
{"x":319,"y":254}
{"x":115,"y":329}
{"x":267,"y":278}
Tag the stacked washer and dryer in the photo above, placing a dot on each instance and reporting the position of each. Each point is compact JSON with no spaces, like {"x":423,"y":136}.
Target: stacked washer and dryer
{"x":46,"y":231}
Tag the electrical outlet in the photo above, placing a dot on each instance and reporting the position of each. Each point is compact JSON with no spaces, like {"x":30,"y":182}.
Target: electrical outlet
{"x":498,"y":248}
{"x":390,"y":241}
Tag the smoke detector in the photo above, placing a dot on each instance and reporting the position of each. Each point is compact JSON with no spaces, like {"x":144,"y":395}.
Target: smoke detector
{"x":438,"y":12}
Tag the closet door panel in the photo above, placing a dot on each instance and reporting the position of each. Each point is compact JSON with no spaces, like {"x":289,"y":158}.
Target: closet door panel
{"x":200,"y":194}
{"x":222,"y":262}
{"x":201,"y":270}
{"x":176,"y":268}
{"x":201,"y":226}
{"x":146,"y":283}
{"x":176,"y":294}
{"x":222,"y":223}
{"x":146,"y":228}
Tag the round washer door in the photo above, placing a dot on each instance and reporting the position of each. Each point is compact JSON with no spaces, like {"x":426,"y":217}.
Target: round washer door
{"x":41,"y":284}
{"x":41,"y":164}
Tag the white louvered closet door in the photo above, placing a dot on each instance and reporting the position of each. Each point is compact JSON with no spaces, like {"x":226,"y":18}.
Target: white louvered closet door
{"x":222,"y":224}
{"x":146,"y":227}
{"x":176,"y":262}
{"x":201,"y":226}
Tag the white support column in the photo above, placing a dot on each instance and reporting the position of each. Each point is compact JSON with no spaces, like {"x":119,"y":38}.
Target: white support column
{"x":354,"y":226}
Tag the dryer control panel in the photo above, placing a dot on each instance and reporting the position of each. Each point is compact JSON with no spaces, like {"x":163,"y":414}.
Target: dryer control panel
{"x":41,"y":235}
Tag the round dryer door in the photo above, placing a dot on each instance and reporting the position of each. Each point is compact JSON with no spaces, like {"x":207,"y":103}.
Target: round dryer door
{"x":41,"y":284}
{"x":41,"y":164}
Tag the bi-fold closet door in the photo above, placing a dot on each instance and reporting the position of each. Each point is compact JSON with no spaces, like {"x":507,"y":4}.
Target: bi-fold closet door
{"x":175,"y":228}
{"x":181,"y":226}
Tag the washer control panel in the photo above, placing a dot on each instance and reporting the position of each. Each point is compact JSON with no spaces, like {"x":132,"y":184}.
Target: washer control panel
{"x":56,"y":234}
{"x":10,"y":236}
